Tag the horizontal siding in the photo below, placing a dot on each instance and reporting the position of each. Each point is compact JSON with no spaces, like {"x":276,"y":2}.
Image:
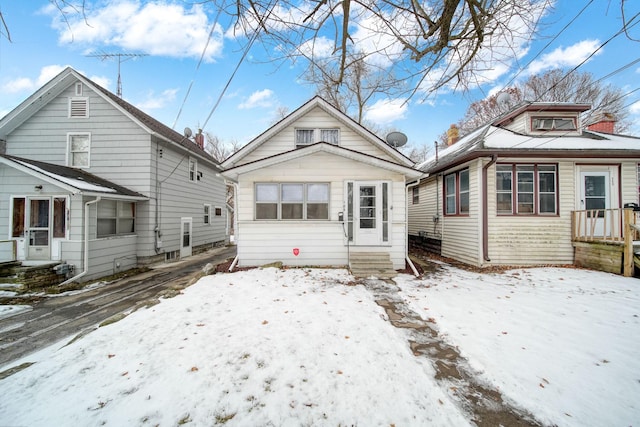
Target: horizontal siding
{"x":111,"y":255}
{"x":422,"y":214}
{"x":316,"y":119}
{"x":323,"y":241}
{"x":461,"y":235}
{"x":630,"y":186}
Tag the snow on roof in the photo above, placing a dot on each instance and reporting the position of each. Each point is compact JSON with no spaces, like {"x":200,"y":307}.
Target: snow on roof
{"x":499,"y":138}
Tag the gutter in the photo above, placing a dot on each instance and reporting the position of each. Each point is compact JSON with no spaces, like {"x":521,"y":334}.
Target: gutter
{"x":85,"y":268}
{"x":485,"y":209}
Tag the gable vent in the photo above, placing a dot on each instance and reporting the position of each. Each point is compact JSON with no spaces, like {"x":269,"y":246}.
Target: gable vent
{"x":79,"y":107}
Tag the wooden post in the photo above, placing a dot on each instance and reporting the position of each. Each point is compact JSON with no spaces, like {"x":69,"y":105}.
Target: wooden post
{"x":627,"y":270}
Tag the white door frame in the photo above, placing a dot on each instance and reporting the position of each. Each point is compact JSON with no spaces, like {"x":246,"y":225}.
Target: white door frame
{"x":37,"y":234}
{"x":367,"y":219}
{"x":603,"y":198}
{"x":186,"y":236}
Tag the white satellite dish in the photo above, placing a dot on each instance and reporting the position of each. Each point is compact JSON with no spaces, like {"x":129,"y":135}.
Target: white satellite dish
{"x":396,"y":139}
{"x":503,"y":99}
{"x":188,"y":132}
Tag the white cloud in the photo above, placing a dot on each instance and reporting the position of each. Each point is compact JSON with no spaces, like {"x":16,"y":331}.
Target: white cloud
{"x":565,"y":57}
{"x":261,"y":98}
{"x":157,"y":28}
{"x":320,"y":47}
{"x":154,"y":102}
{"x":386,"y":111}
{"x":21,"y":84}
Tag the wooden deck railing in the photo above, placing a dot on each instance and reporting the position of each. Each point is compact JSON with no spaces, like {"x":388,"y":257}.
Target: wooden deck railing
{"x":618,"y":226}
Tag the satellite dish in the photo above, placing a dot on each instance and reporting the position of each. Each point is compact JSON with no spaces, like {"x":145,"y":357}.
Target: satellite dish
{"x":396,"y":139}
{"x":503,"y":99}
{"x":187,"y":132}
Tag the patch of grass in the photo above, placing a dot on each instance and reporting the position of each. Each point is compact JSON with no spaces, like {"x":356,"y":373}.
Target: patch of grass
{"x":184,"y":420}
{"x":14,"y":370}
{"x":113,"y":319}
{"x":224,"y":418}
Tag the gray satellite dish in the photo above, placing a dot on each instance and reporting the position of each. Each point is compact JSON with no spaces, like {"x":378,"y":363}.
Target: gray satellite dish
{"x":503,"y":99}
{"x":187,"y":132}
{"x":396,"y":139}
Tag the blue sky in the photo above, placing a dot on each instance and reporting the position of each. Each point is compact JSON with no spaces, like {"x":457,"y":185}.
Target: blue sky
{"x":173,"y":35}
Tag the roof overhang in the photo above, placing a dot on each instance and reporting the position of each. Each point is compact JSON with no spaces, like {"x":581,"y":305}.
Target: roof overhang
{"x":321,"y":147}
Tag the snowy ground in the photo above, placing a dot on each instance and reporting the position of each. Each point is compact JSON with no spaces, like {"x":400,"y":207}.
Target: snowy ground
{"x":306,"y":347}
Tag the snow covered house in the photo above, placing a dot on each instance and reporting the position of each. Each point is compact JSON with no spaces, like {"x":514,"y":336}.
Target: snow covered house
{"x":515,"y":191}
{"x":92,"y":182}
{"x":319,"y":189}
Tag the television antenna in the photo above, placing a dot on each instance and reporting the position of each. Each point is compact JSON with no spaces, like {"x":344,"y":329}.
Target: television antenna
{"x":127,"y":56}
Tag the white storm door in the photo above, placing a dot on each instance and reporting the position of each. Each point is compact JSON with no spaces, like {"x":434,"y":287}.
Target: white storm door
{"x":368,"y":213}
{"x":595,"y":197}
{"x":186,"y":229}
{"x":38,"y":231}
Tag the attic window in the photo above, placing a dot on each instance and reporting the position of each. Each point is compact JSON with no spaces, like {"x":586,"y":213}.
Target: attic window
{"x":78,"y":89}
{"x":306,"y":137}
{"x":554,"y":123}
{"x":78,"y":107}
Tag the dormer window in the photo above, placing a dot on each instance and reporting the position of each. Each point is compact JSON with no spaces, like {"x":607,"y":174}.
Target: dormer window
{"x":306,"y":137}
{"x":553,"y":123}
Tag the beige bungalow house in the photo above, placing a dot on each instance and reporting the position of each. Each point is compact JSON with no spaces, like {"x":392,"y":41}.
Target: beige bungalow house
{"x":319,"y":189}
{"x":505,"y":193}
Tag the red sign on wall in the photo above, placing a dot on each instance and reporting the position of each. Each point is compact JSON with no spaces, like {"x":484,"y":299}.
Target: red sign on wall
{"x":296,"y":251}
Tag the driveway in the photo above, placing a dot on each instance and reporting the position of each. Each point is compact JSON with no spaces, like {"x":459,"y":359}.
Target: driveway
{"x":57,"y":317}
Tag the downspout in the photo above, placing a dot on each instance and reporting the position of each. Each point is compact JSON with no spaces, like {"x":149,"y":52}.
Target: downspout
{"x":235,"y":223}
{"x":85,"y":268}
{"x":485,"y":209}
{"x":406,"y":222}
{"x":156,"y":229}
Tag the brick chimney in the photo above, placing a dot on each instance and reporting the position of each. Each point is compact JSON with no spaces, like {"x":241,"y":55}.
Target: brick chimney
{"x":200,"y":139}
{"x":453,"y":134}
{"x":605,"y":122}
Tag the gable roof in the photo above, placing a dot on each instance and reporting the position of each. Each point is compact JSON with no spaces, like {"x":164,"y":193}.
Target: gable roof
{"x":314,"y":102}
{"x":67,"y":77}
{"x":491,"y":139}
{"x":321,"y":147}
{"x":76,"y":181}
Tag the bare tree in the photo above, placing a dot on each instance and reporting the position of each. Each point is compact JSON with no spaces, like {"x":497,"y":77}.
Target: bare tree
{"x":431,"y":43}
{"x":219,"y":149}
{"x":551,"y":86}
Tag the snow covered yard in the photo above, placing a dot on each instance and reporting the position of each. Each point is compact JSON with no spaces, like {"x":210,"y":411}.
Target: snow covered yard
{"x":306,"y":347}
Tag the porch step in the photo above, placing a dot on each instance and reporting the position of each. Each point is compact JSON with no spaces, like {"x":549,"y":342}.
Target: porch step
{"x":32,"y":277}
{"x":371,"y":264}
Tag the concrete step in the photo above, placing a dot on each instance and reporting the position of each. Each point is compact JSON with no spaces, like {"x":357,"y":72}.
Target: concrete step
{"x":368,"y":264}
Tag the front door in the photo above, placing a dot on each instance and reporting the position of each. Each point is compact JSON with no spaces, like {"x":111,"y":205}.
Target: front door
{"x":595,"y":197}
{"x":38,"y":231}
{"x":368,"y":212}
{"x":186,"y":227}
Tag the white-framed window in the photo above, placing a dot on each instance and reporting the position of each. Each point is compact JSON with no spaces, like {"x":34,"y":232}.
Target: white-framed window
{"x":526,"y":189}
{"x":310,"y":136}
{"x":79,"y":150}
{"x":193,"y":169}
{"x":456,"y":193}
{"x":207,"y":214}
{"x":78,"y":107}
{"x":78,"y":87}
{"x":416,"y":195}
{"x":116,"y":218}
{"x":292,"y":201}
{"x":553,"y":123}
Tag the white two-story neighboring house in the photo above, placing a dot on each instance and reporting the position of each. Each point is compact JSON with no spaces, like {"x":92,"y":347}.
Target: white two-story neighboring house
{"x":88,"y":179}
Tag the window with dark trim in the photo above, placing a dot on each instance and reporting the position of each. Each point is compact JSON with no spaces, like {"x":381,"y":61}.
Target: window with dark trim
{"x":456,"y":193}
{"x":17,"y":222}
{"x":218,"y":211}
{"x":526,"y":189}
{"x":416,"y":195}
{"x":292,"y":201}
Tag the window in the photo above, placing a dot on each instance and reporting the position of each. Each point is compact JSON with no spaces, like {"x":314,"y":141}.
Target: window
{"x":193,"y":169}
{"x":115,"y":218}
{"x":416,"y":195}
{"x":78,"y":107}
{"x":218,"y":211}
{"x":456,"y":193}
{"x":59,"y":217}
{"x":78,"y":89}
{"x":292,"y":201}
{"x":79,"y":149}
{"x":17,"y":223}
{"x":536,"y":189}
{"x":553,"y":123}
{"x":207,"y":214}
{"x":306,"y":137}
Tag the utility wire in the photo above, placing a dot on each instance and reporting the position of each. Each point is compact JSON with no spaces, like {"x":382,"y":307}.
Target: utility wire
{"x":213,"y":27}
